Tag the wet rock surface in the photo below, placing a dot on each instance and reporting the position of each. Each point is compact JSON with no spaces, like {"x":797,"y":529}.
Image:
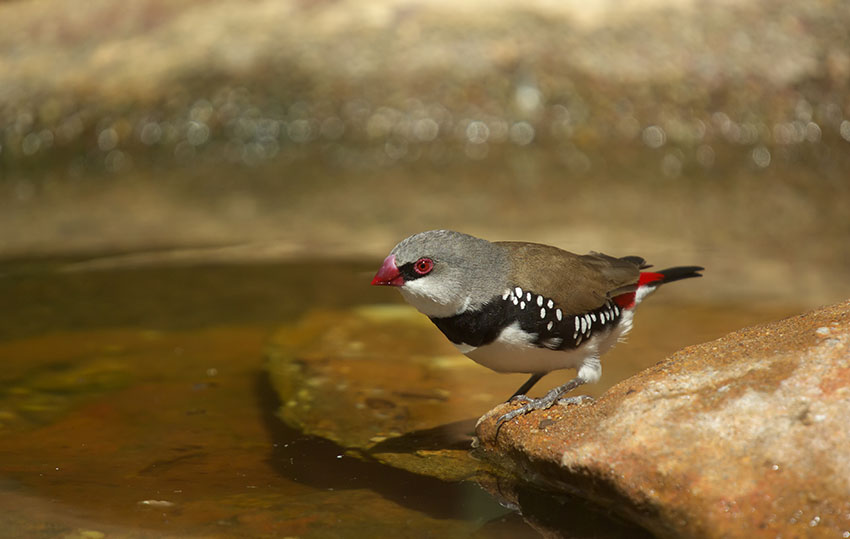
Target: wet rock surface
{"x":382,"y":383}
{"x":743,"y":435}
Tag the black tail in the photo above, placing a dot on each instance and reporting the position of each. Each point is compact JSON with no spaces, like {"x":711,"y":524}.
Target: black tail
{"x":680,"y":272}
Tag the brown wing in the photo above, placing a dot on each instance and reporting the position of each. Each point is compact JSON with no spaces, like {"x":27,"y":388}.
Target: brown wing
{"x":577,"y":283}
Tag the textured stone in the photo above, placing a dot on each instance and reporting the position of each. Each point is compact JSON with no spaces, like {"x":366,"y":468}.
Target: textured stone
{"x":743,"y":435}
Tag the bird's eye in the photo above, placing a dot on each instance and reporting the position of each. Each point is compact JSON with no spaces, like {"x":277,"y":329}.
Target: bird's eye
{"x":423,"y":266}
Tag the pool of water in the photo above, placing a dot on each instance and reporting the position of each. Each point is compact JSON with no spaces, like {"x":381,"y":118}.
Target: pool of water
{"x":135,"y":401}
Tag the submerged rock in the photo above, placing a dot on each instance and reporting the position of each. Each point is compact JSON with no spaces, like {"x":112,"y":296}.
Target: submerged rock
{"x":746,"y":434}
{"x":383,"y":383}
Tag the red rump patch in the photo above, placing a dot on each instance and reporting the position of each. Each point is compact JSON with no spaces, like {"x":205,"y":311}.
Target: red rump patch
{"x":647,"y":278}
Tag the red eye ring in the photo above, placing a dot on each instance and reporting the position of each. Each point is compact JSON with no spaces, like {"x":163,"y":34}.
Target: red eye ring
{"x":423,"y":266}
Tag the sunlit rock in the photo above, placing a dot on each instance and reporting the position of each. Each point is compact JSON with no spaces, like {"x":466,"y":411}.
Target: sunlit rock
{"x":745,"y":434}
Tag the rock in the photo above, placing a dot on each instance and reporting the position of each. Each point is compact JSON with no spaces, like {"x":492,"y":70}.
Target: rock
{"x":743,"y":435}
{"x":381,"y":382}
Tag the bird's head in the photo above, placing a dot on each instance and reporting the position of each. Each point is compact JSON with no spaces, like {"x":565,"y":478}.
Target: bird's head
{"x":443,"y":273}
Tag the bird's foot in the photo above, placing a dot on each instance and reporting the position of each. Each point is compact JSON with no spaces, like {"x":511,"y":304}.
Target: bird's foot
{"x":545,"y":401}
{"x":532,"y":404}
{"x":540,"y":404}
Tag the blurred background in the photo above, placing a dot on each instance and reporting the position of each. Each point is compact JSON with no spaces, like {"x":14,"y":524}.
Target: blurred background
{"x":713,"y":133}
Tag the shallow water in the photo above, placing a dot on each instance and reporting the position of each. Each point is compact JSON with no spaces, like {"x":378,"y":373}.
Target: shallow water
{"x":135,"y":402}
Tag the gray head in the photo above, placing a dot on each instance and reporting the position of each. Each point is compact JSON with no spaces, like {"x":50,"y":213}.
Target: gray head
{"x":443,"y":273}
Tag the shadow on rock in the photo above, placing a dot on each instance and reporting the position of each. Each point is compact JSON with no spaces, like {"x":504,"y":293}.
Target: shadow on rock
{"x":323,"y":464}
{"x":453,"y":436}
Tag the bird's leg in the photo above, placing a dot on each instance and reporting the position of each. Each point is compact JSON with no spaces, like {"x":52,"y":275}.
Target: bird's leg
{"x":523,"y":389}
{"x":547,"y":400}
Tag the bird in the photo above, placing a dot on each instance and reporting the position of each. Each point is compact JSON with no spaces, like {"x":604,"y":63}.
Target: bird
{"x":520,"y":307}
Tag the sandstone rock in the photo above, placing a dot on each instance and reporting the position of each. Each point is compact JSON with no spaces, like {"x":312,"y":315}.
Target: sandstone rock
{"x":745,"y":435}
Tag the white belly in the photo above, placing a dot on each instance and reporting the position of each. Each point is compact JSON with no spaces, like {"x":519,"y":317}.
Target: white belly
{"x":503,"y":357}
{"x":512,"y":351}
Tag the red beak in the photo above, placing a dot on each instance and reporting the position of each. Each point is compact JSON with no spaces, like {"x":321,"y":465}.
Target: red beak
{"x":388,"y":275}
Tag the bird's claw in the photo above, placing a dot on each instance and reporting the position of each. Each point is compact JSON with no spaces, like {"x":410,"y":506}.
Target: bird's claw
{"x":532,"y":404}
{"x":542,"y":403}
